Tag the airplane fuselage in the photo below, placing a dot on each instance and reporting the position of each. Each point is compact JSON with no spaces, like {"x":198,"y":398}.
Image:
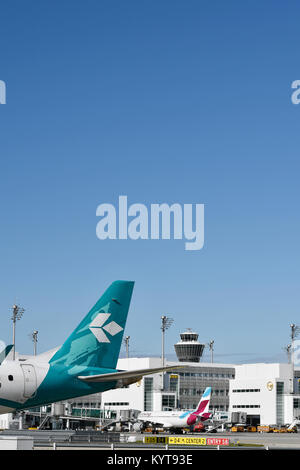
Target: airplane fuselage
{"x":169,"y":419}
{"x":179,"y":419}
{"x":29,"y":384}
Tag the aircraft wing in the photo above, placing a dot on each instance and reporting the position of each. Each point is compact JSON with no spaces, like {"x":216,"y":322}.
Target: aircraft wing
{"x":152,"y":420}
{"x":126,"y":377}
{"x":156,"y":422}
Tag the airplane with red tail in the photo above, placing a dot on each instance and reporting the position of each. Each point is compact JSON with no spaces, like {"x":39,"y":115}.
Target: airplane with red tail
{"x":179,"y":419}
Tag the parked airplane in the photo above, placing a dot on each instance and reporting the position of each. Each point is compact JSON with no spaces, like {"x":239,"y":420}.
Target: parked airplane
{"x":83,"y":365}
{"x":179,"y":419}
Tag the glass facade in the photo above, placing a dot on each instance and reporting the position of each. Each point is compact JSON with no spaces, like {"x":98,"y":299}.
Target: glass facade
{"x":168,"y":401}
{"x":246,"y":406}
{"x":174,"y":383}
{"x":279,"y":403}
{"x":189,"y":349}
{"x":194,"y":380}
{"x":93,"y":413}
{"x":296,"y":403}
{"x":148,"y":393}
{"x":189,"y":352}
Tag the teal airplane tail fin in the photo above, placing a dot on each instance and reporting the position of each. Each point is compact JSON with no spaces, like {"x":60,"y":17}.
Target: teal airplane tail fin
{"x":4,"y":354}
{"x":96,"y":342}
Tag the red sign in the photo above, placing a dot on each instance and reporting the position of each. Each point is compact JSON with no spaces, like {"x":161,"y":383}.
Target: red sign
{"x":214,"y":441}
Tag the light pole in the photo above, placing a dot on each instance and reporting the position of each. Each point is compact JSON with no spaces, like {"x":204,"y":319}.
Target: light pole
{"x":294,"y":332}
{"x":17,"y":315}
{"x":166,"y":322}
{"x":211,"y":348}
{"x":33,"y":336}
{"x":126,"y":341}
{"x":287,"y":349}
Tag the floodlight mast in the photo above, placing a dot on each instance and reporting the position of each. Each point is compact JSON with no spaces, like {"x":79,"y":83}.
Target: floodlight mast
{"x":287,"y":349}
{"x":294,"y":333}
{"x":211,"y":348}
{"x":166,"y":322}
{"x":35,"y":340}
{"x":126,"y":341}
{"x":16,"y":315}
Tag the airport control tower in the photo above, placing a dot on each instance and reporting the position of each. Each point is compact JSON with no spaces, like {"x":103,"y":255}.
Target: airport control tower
{"x":188,"y":349}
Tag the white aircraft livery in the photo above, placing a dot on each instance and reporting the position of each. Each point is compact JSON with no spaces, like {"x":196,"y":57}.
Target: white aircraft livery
{"x":179,"y":419}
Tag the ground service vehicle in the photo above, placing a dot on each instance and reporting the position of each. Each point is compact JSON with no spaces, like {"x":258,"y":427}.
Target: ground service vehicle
{"x":251,"y":429}
{"x":265,"y":428}
{"x":237,"y":428}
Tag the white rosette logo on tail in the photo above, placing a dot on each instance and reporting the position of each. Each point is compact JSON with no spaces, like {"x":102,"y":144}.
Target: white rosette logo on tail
{"x":102,"y":330}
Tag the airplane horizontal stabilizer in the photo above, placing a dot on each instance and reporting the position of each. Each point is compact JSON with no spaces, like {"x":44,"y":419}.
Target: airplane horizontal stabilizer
{"x":127,"y":377}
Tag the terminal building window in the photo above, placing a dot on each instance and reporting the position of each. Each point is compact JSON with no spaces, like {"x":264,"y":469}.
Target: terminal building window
{"x":115,"y":403}
{"x":296,"y":403}
{"x":168,"y":401}
{"x":246,"y":406}
{"x":148,"y":394}
{"x":279,"y":403}
{"x":173,"y":383}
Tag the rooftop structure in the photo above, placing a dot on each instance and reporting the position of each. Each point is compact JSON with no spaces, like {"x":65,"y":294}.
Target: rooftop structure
{"x":189,"y":349}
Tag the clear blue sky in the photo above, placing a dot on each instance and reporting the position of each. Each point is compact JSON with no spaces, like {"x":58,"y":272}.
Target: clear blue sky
{"x":163,"y":101}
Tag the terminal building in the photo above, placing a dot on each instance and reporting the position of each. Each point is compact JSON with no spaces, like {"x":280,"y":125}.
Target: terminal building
{"x":263,"y":391}
{"x":268,"y":393}
{"x":181,"y":388}
{"x":178,"y":389}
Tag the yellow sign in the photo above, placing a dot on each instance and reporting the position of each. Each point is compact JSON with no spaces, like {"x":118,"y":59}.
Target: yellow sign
{"x":155,"y":439}
{"x":197,"y":441}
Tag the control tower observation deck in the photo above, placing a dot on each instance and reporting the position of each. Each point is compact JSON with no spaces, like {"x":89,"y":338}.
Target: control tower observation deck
{"x":189,"y":349}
